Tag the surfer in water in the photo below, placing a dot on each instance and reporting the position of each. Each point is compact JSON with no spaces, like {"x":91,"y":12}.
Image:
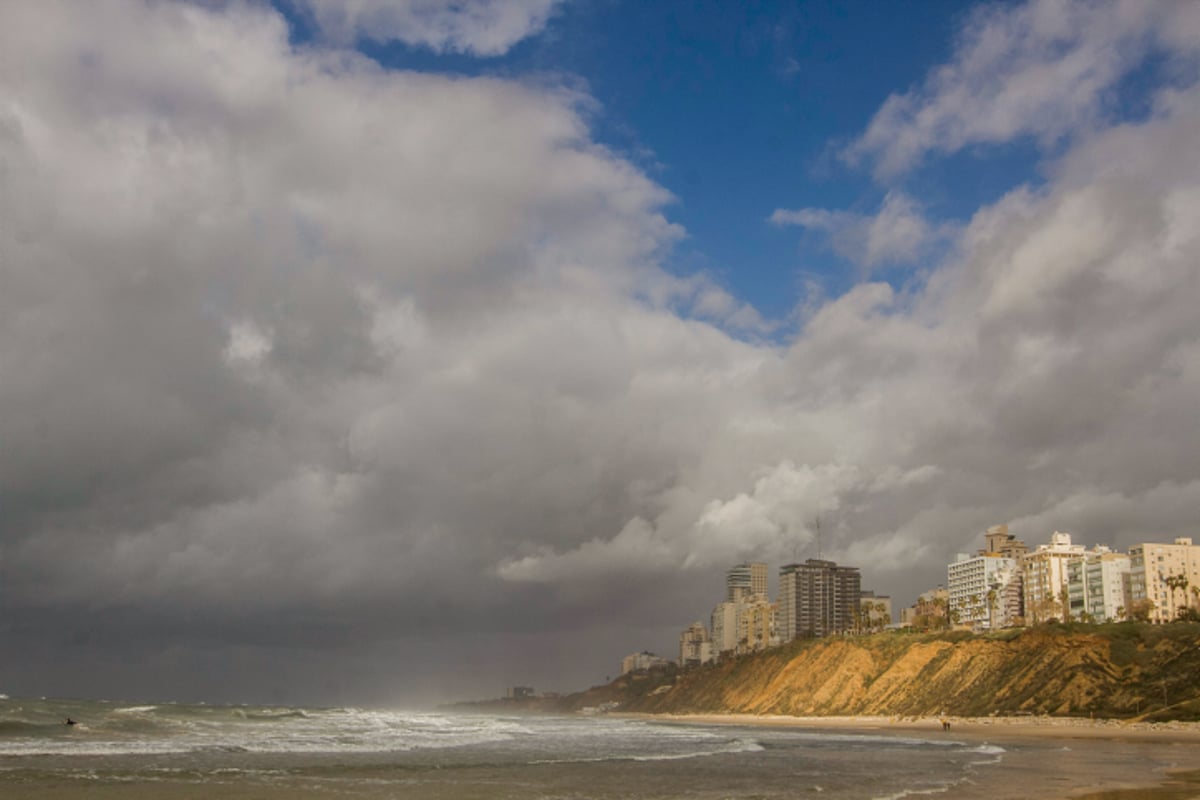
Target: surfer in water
{"x":70,"y":722}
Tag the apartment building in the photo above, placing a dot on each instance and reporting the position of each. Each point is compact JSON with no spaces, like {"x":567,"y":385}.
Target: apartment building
{"x":1166,"y":575}
{"x":929,"y":612}
{"x":976,"y":590}
{"x":1045,"y":578}
{"x":817,"y":598}
{"x":1098,"y":586}
{"x":756,"y":621}
{"x":874,"y":610}
{"x":985,"y":590}
{"x":725,"y":628}
{"x":695,"y":645}
{"x":744,"y":581}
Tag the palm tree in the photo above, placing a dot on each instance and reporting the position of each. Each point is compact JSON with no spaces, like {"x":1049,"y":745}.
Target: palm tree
{"x":941,"y":611}
{"x":1175,"y":583}
{"x":885,"y":618}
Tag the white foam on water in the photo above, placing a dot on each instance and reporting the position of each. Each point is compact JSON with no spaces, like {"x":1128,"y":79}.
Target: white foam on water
{"x":913,"y":792}
{"x":736,"y":746}
{"x":989,"y":750}
{"x":187,"y":729}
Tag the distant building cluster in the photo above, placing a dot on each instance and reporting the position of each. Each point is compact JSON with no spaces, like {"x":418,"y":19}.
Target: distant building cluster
{"x":1004,"y":584}
{"x":641,"y":661}
{"x":816,"y":598}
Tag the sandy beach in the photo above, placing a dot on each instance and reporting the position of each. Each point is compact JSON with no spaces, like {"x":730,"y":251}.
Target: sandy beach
{"x":1047,"y":758}
{"x":988,"y":727}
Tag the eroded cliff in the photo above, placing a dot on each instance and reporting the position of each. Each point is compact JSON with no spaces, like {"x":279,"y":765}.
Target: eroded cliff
{"x":1123,"y":670}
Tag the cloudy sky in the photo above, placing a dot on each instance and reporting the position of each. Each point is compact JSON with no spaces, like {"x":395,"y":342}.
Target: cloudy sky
{"x":388,"y":351}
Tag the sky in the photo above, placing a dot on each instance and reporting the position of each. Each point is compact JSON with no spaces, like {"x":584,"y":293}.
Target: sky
{"x":396,"y":351}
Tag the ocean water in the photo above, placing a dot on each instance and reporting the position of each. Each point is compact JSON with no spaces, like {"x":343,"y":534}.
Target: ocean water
{"x":170,"y":751}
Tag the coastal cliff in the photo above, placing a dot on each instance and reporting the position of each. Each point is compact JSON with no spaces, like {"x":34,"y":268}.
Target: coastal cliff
{"x":1121,"y":671}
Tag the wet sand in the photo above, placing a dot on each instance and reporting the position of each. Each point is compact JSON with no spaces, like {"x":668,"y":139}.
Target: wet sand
{"x":1046,"y":758}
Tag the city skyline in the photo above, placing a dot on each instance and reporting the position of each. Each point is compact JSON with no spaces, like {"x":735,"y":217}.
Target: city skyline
{"x":1004,"y":584}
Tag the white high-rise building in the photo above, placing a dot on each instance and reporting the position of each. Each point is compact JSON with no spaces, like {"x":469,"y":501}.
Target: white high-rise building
{"x":744,"y":581}
{"x":1098,"y":585}
{"x":976,"y":588}
{"x":725,"y":628}
{"x":984,"y":590}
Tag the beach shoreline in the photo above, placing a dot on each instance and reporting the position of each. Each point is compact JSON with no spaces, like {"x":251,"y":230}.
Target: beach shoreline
{"x":1033,"y":768}
{"x":1041,"y":727}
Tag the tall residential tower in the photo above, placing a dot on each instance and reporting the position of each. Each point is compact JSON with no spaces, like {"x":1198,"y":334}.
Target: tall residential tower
{"x":817,"y":598}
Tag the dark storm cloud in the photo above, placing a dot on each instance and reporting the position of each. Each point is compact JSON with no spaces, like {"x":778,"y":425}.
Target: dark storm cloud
{"x":357,"y":381}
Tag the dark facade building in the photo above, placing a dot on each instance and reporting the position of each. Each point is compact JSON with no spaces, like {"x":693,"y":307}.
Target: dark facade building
{"x":817,"y":598}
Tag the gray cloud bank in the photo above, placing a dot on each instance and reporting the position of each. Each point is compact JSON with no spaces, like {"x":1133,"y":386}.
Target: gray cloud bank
{"x":353,"y":385}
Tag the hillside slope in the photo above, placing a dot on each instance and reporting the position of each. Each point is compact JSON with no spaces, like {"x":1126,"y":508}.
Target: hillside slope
{"x":1121,"y":671}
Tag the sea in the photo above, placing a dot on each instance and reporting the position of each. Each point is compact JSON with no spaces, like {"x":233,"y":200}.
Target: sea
{"x":168,"y":750}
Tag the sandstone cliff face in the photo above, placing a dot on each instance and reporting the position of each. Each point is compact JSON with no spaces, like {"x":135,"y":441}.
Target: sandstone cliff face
{"x":1115,"y":671}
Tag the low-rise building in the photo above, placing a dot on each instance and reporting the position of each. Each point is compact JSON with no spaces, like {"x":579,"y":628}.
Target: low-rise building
{"x":642,"y":661}
{"x":930,"y":612}
{"x":874,"y":610}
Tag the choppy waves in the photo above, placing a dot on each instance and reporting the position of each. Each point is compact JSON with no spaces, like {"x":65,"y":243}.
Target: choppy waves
{"x":357,"y":748}
{"x":36,"y":727}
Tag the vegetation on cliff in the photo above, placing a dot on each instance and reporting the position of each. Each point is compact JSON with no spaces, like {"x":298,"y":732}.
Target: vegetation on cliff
{"x":1125,"y":670}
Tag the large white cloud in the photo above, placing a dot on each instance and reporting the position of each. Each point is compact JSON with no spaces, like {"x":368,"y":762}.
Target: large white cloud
{"x":899,"y":234}
{"x":477,"y":27}
{"x":1045,"y":69}
{"x":1052,"y":357}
